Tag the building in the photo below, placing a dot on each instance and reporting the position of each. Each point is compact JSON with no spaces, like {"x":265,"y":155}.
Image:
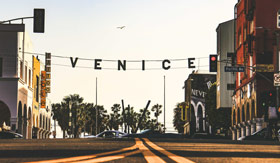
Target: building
{"x":257,"y":43}
{"x":19,"y":82}
{"x":15,"y":80}
{"x":225,"y":49}
{"x":196,"y":87}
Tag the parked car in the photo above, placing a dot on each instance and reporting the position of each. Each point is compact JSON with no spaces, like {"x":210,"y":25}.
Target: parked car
{"x":259,"y":135}
{"x":107,"y":134}
{"x":10,"y":135}
{"x":149,"y":133}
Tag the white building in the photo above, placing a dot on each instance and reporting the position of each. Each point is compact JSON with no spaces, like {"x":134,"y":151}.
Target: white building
{"x":18,"y":89}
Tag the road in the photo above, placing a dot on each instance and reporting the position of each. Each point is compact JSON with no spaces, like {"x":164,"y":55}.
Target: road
{"x":137,"y":150}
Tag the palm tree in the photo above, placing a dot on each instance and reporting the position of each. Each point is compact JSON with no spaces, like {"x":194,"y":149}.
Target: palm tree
{"x":115,"y":117}
{"x":145,"y":124}
{"x":102,"y":118}
{"x":75,"y":101}
{"x":61,"y":115}
{"x":157,"y":111}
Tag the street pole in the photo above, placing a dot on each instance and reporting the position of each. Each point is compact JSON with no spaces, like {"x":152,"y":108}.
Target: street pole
{"x":277,"y":68}
{"x":164,"y":104}
{"x":70,"y":118}
{"x":96,"y":111}
{"x":128,"y":114}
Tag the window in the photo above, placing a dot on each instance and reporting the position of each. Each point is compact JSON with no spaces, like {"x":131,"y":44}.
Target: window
{"x":278,"y":19}
{"x":21,"y":69}
{"x":239,"y":37}
{"x":251,"y":27}
{"x":244,"y":33}
{"x":25,"y":73}
{"x":37,"y":89}
{"x":29,"y":78}
{"x":251,"y":65}
{"x":1,"y":67}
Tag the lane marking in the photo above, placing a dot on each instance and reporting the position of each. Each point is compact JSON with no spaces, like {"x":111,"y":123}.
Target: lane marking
{"x":77,"y":158}
{"x":109,"y":158}
{"x":148,"y":155}
{"x":168,"y":154}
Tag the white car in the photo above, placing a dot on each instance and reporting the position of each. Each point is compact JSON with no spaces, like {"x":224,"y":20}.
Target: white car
{"x":107,"y":134}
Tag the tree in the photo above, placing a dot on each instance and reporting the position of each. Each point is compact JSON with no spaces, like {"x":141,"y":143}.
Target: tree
{"x":102,"y":118}
{"x":115,"y":117}
{"x":131,"y":119}
{"x":157,"y":111}
{"x":76,"y":102}
{"x":217,"y":118}
{"x":177,"y":122}
{"x":145,"y":124}
{"x":86,"y":117}
{"x":61,"y":115}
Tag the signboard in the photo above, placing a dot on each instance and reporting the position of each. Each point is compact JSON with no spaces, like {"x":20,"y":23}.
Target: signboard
{"x":276,"y":79}
{"x":48,"y":72}
{"x":43,"y":89}
{"x":234,"y":69}
{"x":264,"y":68}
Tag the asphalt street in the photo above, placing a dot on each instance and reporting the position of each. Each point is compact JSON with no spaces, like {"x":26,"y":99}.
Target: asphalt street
{"x":137,"y":150}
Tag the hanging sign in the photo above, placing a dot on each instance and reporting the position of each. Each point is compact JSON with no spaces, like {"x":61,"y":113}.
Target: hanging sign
{"x":43,"y":89}
{"x":122,"y":64}
{"x":48,"y":72}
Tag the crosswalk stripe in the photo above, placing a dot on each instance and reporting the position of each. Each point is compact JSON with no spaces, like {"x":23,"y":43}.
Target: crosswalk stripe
{"x":168,"y":154}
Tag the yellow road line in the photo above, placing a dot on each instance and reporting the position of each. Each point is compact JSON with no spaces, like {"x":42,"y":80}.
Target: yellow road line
{"x":77,"y":158}
{"x":149,"y":155}
{"x":108,"y":158}
{"x":168,"y":154}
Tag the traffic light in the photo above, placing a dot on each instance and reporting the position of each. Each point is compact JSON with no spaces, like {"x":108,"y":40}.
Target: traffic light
{"x":39,"y":21}
{"x":267,"y":99}
{"x":271,"y":98}
{"x":213,"y":60}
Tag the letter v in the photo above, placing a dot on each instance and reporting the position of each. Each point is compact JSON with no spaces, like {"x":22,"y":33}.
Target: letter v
{"x":73,"y":63}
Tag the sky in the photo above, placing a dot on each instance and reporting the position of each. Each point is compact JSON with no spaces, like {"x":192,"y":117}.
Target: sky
{"x":154,"y":30}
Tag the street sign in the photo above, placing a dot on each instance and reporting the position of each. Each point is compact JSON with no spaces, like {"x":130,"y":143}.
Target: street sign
{"x":276,"y":80}
{"x":234,"y":69}
{"x":264,"y":68}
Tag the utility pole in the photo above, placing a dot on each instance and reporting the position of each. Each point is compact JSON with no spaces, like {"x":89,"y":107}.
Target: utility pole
{"x":123,"y":117}
{"x":96,"y":112}
{"x":164,"y":104}
{"x":70,"y":118}
{"x":128,"y":114}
